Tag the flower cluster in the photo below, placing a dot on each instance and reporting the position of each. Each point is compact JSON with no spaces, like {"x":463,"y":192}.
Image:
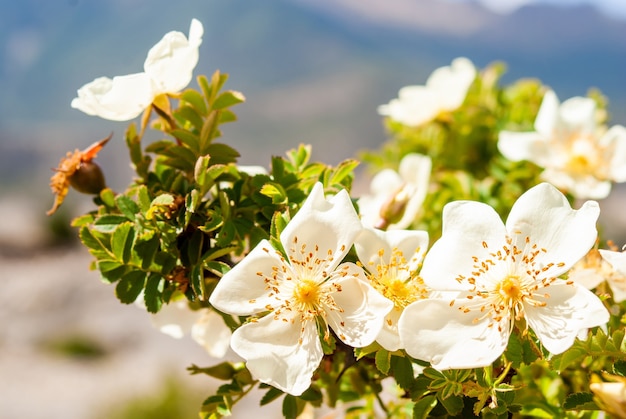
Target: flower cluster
{"x":413,"y":299}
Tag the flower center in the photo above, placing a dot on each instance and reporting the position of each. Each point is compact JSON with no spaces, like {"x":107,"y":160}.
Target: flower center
{"x":307,"y":294}
{"x":395,"y":281}
{"x":509,"y":288}
{"x":503,"y":298}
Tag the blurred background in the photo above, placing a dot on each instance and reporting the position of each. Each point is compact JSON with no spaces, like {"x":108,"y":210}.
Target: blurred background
{"x":313,"y":71}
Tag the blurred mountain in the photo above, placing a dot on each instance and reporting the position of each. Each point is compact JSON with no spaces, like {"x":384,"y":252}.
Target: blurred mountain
{"x":313,"y":71}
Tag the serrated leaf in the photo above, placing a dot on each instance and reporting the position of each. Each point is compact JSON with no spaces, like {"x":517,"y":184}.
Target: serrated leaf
{"x":197,"y":282}
{"x":196,"y":100}
{"x":122,"y":241}
{"x":453,"y":404}
{"x":228,"y":99}
{"x":143,"y":198}
{"x":108,"y":223}
{"x":423,"y":407}
{"x":127,"y":206}
{"x":130,"y":286}
{"x":89,"y":240}
{"x":221,"y":153}
{"x":189,"y":139}
{"x":290,"y":407}
{"x":383,"y":360}
{"x":576,"y":401}
{"x":343,"y":170}
{"x":275,"y":192}
{"x":272,"y":394}
{"x":153,"y":295}
{"x":145,"y":248}
{"x":402,"y":370}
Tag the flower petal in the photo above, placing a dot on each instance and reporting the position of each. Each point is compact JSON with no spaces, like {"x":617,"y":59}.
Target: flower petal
{"x":577,"y":114}
{"x":360,"y":311}
{"x":389,"y":337}
{"x":617,"y":260}
{"x":212,"y":334}
{"x":531,"y":146}
{"x":451,"y":83}
{"x":243,"y":290}
{"x":543,"y":214}
{"x":547,"y":117}
{"x":433,"y":331}
{"x":326,"y":227}
{"x":412,"y":243}
{"x":615,"y":141}
{"x":275,"y":355}
{"x":569,"y":309}
{"x":119,"y":99}
{"x":175,"y":319}
{"x":171,"y":61}
{"x":470,"y":230}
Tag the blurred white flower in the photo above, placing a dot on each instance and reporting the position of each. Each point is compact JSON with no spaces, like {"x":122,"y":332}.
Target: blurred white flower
{"x":304,"y":291}
{"x":612,"y":396}
{"x":445,"y":91}
{"x":396,"y":198}
{"x":167,"y":70}
{"x":578,"y":156}
{"x":392,"y":259}
{"x":205,"y":326}
{"x":504,"y":273}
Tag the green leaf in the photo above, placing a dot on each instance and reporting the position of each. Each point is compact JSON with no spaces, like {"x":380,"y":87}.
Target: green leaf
{"x":153,"y":296}
{"x":402,"y":370}
{"x":217,"y":268}
{"x":130,"y":286}
{"x":108,"y":197}
{"x":208,"y":132}
{"x":227,"y":116}
{"x":619,"y":367}
{"x":122,"y":241}
{"x":187,"y":115}
{"x":127,"y":206}
{"x":197,"y":282}
{"x":146,"y":247}
{"x":423,"y":407}
{"x":383,"y":360}
{"x":221,"y":153}
{"x":143,"y":198}
{"x":580,"y":401}
{"x":228,"y":99}
{"x":453,"y":404}
{"x":343,"y":170}
{"x":276,"y":192}
{"x":89,"y":240}
{"x":222,"y":371}
{"x":272,"y":394}
{"x":196,"y":100}
{"x":290,"y":407}
{"x":191,"y":140}
{"x":109,"y":222}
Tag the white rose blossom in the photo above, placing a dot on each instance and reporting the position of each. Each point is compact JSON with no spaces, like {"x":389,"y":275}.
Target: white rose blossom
{"x":168,"y":69}
{"x":505,"y":273}
{"x":396,"y":198}
{"x":577,"y":155}
{"x":616,"y":276}
{"x":300,"y":294}
{"x":445,"y":91}
{"x":392,"y":259}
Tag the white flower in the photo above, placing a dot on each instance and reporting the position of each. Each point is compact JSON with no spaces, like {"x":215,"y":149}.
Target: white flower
{"x":304,"y":292}
{"x":445,"y":91}
{"x":168,"y":69}
{"x":507,"y":274}
{"x":392,"y":259}
{"x":616,"y":274}
{"x":577,"y":155}
{"x":396,"y":197}
{"x":206,"y":327}
{"x":612,"y":396}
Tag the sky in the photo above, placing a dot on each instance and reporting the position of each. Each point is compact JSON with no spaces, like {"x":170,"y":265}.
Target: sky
{"x":612,"y":8}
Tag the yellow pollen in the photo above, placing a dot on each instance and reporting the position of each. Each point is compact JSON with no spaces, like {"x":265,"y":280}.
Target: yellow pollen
{"x":509,"y":288}
{"x":307,"y":293}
